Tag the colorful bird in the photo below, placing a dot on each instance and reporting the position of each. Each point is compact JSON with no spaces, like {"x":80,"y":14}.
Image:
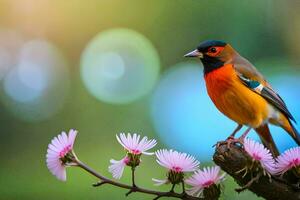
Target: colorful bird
{"x":241,"y":93}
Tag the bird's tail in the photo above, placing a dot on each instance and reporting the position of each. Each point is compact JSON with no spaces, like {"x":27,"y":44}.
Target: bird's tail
{"x":267,"y":139}
{"x":289,"y":127}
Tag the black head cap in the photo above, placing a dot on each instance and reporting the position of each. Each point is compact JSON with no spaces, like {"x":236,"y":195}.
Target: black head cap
{"x":210,"y":43}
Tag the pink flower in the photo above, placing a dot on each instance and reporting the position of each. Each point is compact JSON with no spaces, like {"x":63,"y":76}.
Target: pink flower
{"x":117,"y":167}
{"x":288,"y":160}
{"x":135,"y":148}
{"x":177,"y":163}
{"x":260,"y":154}
{"x":134,"y":145}
{"x":58,"y":154}
{"x":203,"y":179}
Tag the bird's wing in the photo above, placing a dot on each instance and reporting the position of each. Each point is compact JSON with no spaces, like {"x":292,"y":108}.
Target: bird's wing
{"x":244,"y":67}
{"x":255,"y":81}
{"x":267,"y":93}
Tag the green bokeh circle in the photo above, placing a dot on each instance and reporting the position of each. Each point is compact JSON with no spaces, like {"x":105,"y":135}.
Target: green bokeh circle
{"x":119,"y":66}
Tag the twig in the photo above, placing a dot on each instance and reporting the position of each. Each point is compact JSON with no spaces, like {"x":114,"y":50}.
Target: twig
{"x":172,"y":189}
{"x":133,"y":187}
{"x":183,"y":187}
{"x":133,"y":182}
{"x":256,"y":178}
{"x":99,"y":183}
{"x":132,"y":176}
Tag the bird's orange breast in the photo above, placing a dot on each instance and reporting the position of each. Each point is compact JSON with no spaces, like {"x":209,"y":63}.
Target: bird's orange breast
{"x":234,"y":99}
{"x":219,"y":80}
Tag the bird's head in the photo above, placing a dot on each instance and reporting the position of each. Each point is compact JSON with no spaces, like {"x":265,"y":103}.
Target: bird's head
{"x":213,"y":54}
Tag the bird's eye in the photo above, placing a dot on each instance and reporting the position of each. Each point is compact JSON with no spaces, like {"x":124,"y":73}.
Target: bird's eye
{"x":213,"y":50}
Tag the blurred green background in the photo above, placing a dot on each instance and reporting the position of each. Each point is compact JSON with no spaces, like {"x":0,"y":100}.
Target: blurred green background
{"x":109,"y":66}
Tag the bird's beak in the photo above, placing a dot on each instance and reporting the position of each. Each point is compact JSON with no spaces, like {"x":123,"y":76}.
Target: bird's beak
{"x":194,"y":53}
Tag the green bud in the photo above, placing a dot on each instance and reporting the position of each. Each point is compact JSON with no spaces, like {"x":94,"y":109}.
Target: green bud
{"x":134,"y":159}
{"x":68,"y":158}
{"x":296,"y":171}
{"x":175,"y":177}
{"x":212,"y":192}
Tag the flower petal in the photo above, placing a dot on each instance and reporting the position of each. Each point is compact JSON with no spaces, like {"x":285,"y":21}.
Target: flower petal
{"x":171,"y":160}
{"x":117,"y":167}
{"x":204,"y":178}
{"x":59,"y":146}
{"x":159,"y":182}
{"x":133,"y":144}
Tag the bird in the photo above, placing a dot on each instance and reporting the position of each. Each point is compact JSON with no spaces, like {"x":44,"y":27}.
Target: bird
{"x":242,"y":93}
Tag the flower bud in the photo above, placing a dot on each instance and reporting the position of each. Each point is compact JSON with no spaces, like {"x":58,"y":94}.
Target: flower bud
{"x":212,"y":192}
{"x":175,"y":177}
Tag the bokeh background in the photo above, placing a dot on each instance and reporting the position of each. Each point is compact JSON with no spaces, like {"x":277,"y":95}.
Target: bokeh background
{"x":109,"y":66}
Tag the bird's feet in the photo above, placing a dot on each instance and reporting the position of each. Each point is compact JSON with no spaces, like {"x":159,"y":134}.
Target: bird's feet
{"x":231,"y":141}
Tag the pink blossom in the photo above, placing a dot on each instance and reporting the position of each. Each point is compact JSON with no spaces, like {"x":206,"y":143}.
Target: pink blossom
{"x":203,"y":179}
{"x":260,"y":154}
{"x":134,"y":145}
{"x":135,"y":148}
{"x":117,"y":167}
{"x":177,"y":163}
{"x":288,"y":160}
{"x":58,"y":149}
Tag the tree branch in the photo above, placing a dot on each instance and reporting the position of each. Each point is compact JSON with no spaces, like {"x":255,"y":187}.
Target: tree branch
{"x":234,"y":159}
{"x":134,"y":188}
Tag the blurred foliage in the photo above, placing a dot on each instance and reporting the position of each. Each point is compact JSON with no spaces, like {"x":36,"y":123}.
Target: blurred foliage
{"x":260,"y":30}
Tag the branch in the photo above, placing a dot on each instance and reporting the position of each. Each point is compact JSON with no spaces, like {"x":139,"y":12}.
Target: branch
{"x":135,"y":188}
{"x":233,"y":159}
